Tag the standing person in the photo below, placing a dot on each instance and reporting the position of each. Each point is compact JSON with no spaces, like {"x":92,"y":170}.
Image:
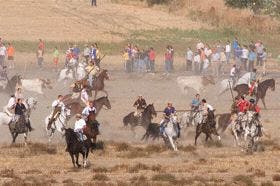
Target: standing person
{"x":40,"y":58}
{"x":263,"y":60}
{"x":223,"y":59}
{"x":41,"y":46}
{"x":93,"y":3}
{"x":3,"y":52}
{"x":252,"y":57}
{"x":55,"y":58}
{"x":259,"y":49}
{"x":171,"y":49}
{"x":167,"y":57}
{"x":233,"y":74}
{"x":235,"y":46}
{"x":244,"y":57}
{"x":238,"y":53}
{"x":86,"y":53}
{"x":126,"y":61}
{"x":189,"y":59}
{"x":152,"y":58}
{"x":228,"y":52}
{"x":196,"y":62}
{"x":216,"y":63}
{"x":10,"y":54}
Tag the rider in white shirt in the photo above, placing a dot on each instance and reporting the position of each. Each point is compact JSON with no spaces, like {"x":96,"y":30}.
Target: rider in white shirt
{"x":205,"y":107}
{"x":79,"y":126}
{"x":9,"y":108}
{"x":57,"y":107}
{"x":84,"y":96}
{"x":88,"y":109}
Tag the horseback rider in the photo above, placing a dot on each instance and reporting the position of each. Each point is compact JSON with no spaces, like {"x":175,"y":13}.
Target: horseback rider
{"x":79,"y":126}
{"x":20,"y":109}
{"x":253,"y":82}
{"x":242,"y":105}
{"x":84,"y":96}
{"x":195,"y":105}
{"x":168,"y":111}
{"x":92,"y":71}
{"x":233,"y":74}
{"x":140,"y":105}
{"x":9,"y":108}
{"x":88,"y":109}
{"x":57,"y":107}
{"x":205,"y":107}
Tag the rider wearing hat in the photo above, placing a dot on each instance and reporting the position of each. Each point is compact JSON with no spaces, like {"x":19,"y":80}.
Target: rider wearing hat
{"x":140,"y":105}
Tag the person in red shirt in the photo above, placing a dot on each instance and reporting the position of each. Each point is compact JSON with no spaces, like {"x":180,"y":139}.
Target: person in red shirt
{"x":152,"y":57}
{"x":253,"y":106}
{"x":242,"y":105}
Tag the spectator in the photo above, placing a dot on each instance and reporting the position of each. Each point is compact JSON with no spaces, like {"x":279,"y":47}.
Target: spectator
{"x":196,"y":63}
{"x":216,"y":63}
{"x":227,"y":52}
{"x":259,"y":49}
{"x":263,"y":60}
{"x":76,"y":52}
{"x":152,"y":57}
{"x":93,"y":3}
{"x":56,"y":58}
{"x":252,"y":57}
{"x":235,"y":45}
{"x":41,"y":46}
{"x":126,"y":61}
{"x":11,"y":54}
{"x":40,"y":58}
{"x":86,"y":53}
{"x":3,"y":52}
{"x":244,"y":57}
{"x":168,"y":58}
{"x":223,"y":60}
{"x":238,"y":53}
{"x":189,"y":59}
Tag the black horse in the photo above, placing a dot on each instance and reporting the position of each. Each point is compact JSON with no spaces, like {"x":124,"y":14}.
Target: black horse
{"x":152,"y":131}
{"x":75,"y":147}
{"x":21,"y":126}
{"x":243,"y":89}
{"x":143,"y":121}
{"x":208,"y":128}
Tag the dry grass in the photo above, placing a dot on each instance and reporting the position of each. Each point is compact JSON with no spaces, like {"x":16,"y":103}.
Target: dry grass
{"x":164,"y":177}
{"x":242,"y":179}
{"x":267,"y":183}
{"x":7,"y":173}
{"x":101,"y":177}
{"x":276,"y":177}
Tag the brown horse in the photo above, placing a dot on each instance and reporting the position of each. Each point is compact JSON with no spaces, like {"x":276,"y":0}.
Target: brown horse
{"x":77,"y":107}
{"x":91,"y":130}
{"x":243,"y":89}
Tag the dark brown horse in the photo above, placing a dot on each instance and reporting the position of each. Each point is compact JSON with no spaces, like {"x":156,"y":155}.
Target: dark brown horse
{"x":143,"y":121}
{"x":208,"y":128}
{"x":243,"y":89}
{"x":77,"y":107}
{"x":92,"y":130}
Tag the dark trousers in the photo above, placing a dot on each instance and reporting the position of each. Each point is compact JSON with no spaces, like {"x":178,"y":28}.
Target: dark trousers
{"x":250,"y":66}
{"x":259,"y":60}
{"x":152,"y":65}
{"x":188,"y":65}
{"x":93,"y":3}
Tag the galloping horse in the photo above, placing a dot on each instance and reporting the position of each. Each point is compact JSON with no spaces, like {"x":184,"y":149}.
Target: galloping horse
{"x":171,"y":132}
{"x":76,"y":107}
{"x":143,"y":121}
{"x":207,"y":128}
{"x":92,"y":130}
{"x":243,"y":89}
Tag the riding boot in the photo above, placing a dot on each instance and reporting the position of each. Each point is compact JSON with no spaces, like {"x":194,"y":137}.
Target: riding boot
{"x":179,"y":130}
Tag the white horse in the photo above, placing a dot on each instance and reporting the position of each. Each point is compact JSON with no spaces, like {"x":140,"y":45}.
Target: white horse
{"x":81,"y":72}
{"x":59,"y":124}
{"x":187,"y":119}
{"x":251,"y":135}
{"x":237,"y":128}
{"x":68,"y":74}
{"x":170,"y":133}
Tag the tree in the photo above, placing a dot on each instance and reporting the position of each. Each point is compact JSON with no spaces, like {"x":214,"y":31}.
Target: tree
{"x":255,"y":5}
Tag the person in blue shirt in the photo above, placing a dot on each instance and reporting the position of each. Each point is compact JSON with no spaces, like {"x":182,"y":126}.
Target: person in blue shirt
{"x":168,"y":111}
{"x":252,"y":57}
{"x":195,"y":106}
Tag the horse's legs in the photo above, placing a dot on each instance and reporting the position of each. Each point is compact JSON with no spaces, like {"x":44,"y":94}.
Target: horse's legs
{"x":25,"y":138}
{"x":73,"y":161}
{"x":196,"y":136}
{"x":77,"y":159}
{"x":14,"y":137}
{"x":172,"y":143}
{"x":207,"y":136}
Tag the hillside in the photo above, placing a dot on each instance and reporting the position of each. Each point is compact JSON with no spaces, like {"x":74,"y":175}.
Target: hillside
{"x":69,"y":20}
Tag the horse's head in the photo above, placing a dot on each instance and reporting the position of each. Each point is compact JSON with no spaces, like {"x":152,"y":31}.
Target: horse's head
{"x":107,"y":102}
{"x":151,"y":109}
{"x":104,"y":74}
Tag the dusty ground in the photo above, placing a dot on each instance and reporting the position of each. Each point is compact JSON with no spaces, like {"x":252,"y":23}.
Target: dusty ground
{"x":126,"y":160}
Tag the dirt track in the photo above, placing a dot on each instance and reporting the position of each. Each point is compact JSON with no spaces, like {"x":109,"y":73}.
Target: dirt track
{"x":214,"y":163}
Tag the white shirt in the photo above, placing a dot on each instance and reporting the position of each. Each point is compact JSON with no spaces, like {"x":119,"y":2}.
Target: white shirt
{"x":79,"y":125}
{"x":84,"y":96}
{"x":196,"y":59}
{"x":245,"y":53}
{"x":2,"y":51}
{"x":215,"y":57}
{"x":189,"y":55}
{"x":232,"y":71}
{"x":86,"y":51}
{"x":58,"y":103}
{"x":87,"y":110}
{"x":200,"y":45}
{"x":205,"y":108}
{"x":12,"y":102}
{"x":228,"y":48}
{"x":207,"y":52}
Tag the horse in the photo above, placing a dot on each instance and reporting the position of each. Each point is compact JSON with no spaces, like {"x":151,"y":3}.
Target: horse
{"x":188,"y":120}
{"x":92,"y":128}
{"x":20,"y":127}
{"x":171,"y":132}
{"x":75,"y":147}
{"x":76,"y":107}
{"x":143,"y":121}
{"x":243,"y":89}
{"x":207,"y":128}
{"x":9,"y":85}
{"x":152,"y":131}
{"x":252,"y":131}
{"x":59,"y":124}
{"x":197,"y":83}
